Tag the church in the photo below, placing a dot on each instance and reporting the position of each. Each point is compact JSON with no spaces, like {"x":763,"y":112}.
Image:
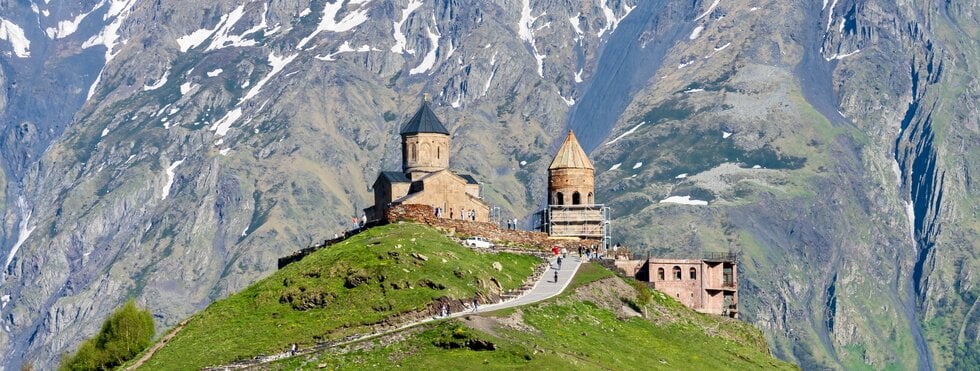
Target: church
{"x":425,"y":178}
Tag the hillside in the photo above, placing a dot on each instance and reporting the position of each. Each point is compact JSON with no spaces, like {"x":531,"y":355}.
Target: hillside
{"x":381,"y":277}
{"x":593,"y":325}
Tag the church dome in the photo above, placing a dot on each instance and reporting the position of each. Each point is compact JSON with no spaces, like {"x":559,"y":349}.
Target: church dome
{"x":571,"y":155}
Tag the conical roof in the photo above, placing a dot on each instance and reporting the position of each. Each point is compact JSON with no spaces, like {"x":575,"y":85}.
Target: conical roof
{"x":424,"y":121}
{"x":571,"y":155}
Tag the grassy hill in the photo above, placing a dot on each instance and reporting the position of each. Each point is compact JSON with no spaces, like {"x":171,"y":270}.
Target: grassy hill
{"x":349,"y":288}
{"x":598,"y":323}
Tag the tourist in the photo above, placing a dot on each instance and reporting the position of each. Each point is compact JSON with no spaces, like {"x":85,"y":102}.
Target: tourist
{"x":476,"y":305}
{"x":450,"y":213}
{"x":580,"y":251}
{"x":564,"y":253}
{"x":559,"y":262}
{"x":363,"y":220}
{"x":556,"y":276}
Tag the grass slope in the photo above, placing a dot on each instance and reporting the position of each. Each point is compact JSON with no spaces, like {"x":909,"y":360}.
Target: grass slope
{"x":338,"y":291}
{"x":587,"y":327}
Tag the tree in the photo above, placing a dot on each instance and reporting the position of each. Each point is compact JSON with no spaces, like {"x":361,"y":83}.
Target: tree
{"x":123,"y":335}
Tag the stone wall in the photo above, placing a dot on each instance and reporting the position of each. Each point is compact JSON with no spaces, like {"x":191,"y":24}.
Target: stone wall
{"x":462,"y":229}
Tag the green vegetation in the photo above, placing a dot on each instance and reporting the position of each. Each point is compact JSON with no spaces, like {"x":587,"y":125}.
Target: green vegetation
{"x":589,"y":273}
{"x":123,"y":335}
{"x":348,"y":288}
{"x":585,"y":328}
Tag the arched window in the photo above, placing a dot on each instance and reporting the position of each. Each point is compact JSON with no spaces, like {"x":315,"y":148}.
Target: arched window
{"x":677,"y":273}
{"x":591,"y":201}
{"x":559,"y":199}
{"x":694,"y":273}
{"x":576,"y":198}
{"x":660,"y":273}
{"x":438,"y":152}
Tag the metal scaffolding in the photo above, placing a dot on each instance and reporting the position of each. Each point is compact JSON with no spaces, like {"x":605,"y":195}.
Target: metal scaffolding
{"x":583,"y":221}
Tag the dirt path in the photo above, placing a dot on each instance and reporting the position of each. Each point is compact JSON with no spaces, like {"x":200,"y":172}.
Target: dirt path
{"x":149,"y":353}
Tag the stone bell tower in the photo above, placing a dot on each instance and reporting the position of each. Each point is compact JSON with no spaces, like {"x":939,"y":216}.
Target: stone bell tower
{"x":571,"y":177}
{"x":425,"y":144}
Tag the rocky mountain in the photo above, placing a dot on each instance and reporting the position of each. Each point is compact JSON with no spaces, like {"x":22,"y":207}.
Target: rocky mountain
{"x":171,"y":151}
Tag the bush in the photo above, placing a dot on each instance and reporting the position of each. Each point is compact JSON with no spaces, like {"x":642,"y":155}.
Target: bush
{"x":123,"y":335}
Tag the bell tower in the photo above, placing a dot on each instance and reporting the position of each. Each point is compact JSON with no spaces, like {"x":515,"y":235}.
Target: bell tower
{"x":571,"y":176}
{"x":425,"y":143}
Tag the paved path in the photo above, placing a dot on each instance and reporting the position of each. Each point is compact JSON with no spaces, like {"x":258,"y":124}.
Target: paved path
{"x":545,"y":288}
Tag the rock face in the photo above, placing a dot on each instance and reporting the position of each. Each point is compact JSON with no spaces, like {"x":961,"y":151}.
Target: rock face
{"x":173,"y":151}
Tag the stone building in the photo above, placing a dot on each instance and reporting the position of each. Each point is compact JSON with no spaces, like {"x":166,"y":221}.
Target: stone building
{"x":572,"y":210}
{"x":708,"y":285}
{"x":425,"y":178}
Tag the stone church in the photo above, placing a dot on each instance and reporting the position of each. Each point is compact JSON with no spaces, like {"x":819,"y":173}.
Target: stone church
{"x":425,"y":178}
{"x":572,"y":210}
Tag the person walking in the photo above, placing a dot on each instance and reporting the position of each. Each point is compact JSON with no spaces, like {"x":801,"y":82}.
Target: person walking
{"x":564,"y":253}
{"x":476,"y":305}
{"x":556,"y":276}
{"x":559,"y":262}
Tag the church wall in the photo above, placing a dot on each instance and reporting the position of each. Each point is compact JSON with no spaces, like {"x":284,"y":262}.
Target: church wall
{"x":449,"y":193}
{"x":567,"y":182}
{"x":427,"y":152}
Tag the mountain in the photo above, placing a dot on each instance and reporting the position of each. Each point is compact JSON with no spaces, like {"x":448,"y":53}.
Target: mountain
{"x":172,"y":152}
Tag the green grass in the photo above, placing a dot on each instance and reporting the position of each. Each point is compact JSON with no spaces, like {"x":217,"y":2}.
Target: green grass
{"x":339,"y":291}
{"x":588,"y":273}
{"x":569,"y":333}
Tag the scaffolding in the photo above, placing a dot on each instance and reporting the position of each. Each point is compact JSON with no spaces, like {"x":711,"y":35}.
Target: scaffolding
{"x":583,"y":221}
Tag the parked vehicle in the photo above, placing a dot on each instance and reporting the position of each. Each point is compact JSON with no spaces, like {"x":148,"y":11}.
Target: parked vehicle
{"x":478,"y":242}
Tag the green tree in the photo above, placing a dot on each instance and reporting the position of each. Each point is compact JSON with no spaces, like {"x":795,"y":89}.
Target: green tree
{"x":123,"y":335}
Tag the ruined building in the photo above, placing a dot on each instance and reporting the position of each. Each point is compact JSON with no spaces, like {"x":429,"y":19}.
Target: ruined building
{"x":425,"y":178}
{"x":572,"y":210}
{"x":708,"y":285}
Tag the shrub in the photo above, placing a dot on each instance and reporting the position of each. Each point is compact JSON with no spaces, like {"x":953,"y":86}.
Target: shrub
{"x":123,"y":335}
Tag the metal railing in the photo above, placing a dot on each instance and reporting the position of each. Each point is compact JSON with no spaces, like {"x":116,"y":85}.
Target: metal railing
{"x":720,"y":256}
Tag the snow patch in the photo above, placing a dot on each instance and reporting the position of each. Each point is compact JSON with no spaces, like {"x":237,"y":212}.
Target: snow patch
{"x":15,"y":35}
{"x":493,"y":71}
{"x":578,"y":76}
{"x":277,"y":63}
{"x":693,"y":90}
{"x":696,"y":32}
{"x":109,"y":36}
{"x":170,"y":179}
{"x":220,"y":127}
{"x":192,"y":40}
{"x":105,"y":132}
{"x":159,"y":83}
{"x":430,"y":58}
{"x":65,"y":28}
{"x":683,"y":200}
{"x":575,"y":25}
{"x":710,"y":9}
{"x":682,"y":176}
{"x":24,"y":231}
{"x":637,"y":165}
{"x":526,"y":32}
{"x":400,"y":40}
{"x":224,"y":151}
{"x":628,"y":132}
{"x":568,"y":101}
{"x":842,"y":56}
{"x":215,"y":72}
{"x":725,"y":134}
{"x":329,"y":21}
{"x":186,"y":88}
{"x":616,"y":166}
